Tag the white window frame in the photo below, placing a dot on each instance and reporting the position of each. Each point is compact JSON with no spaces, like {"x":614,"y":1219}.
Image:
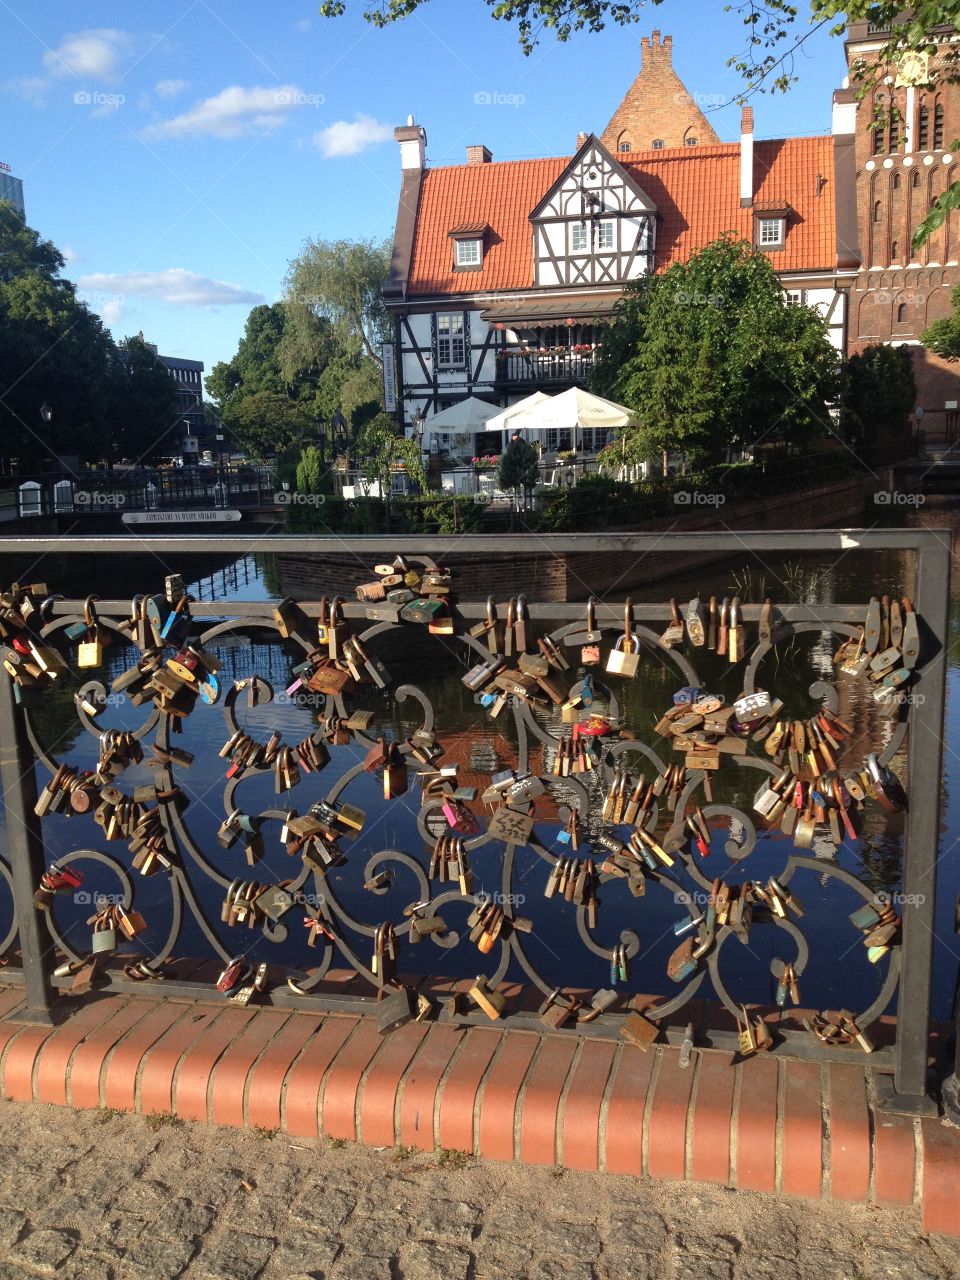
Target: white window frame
{"x":605,"y":226}
{"x":796,"y":297}
{"x":575,"y":229}
{"x":469,"y":253}
{"x":451,"y":340}
{"x":770,"y":233}
{"x":658,"y":144}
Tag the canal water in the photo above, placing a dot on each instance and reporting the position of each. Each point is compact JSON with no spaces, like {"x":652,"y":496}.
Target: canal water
{"x":838,"y":973}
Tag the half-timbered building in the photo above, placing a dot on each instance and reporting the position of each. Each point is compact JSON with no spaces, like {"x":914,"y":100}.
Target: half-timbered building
{"x":504,"y":273}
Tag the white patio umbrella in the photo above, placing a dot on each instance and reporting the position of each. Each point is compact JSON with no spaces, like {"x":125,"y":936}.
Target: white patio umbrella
{"x":471,"y":414}
{"x":570,"y":410}
{"x":503,"y":420}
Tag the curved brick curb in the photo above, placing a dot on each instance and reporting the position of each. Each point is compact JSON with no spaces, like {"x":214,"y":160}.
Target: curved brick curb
{"x":776,"y":1125}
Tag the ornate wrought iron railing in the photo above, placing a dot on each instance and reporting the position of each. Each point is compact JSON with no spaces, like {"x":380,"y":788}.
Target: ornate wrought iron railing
{"x":345,"y":932}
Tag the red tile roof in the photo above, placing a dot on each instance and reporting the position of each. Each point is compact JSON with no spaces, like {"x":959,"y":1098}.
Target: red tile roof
{"x":696,"y":190}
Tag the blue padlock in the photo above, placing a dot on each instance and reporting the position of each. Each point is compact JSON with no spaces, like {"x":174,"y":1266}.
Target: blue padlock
{"x":586,"y":691}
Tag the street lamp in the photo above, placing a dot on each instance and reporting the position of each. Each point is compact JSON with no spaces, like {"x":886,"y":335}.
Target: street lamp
{"x":322,"y":424}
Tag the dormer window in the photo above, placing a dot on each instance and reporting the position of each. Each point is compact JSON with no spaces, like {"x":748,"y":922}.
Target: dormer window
{"x":690,"y":142}
{"x":770,"y":224}
{"x":468,"y":246}
{"x":469,"y":253}
{"x":658,"y":144}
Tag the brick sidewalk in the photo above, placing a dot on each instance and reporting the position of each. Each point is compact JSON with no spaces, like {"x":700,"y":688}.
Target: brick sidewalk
{"x":769,"y":1124}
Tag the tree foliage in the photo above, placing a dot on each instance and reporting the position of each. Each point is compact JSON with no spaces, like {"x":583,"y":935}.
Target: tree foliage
{"x":711,"y":358}
{"x":943,"y":336}
{"x":379,"y":447}
{"x":109,"y":402}
{"x":268,"y":422}
{"x":879,"y":394}
{"x":342,"y":282}
{"x":519,"y":466}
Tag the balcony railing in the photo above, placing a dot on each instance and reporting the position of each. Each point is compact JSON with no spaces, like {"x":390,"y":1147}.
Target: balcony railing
{"x":545,"y":369}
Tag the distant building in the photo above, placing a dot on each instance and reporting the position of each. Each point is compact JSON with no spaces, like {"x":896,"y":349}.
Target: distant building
{"x":189,"y":379}
{"x":904,"y":130}
{"x":505,"y":273}
{"x":11,"y":190}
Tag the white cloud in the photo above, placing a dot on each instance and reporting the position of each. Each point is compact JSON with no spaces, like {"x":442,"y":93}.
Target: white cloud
{"x":176,"y":285}
{"x":233,"y":112}
{"x":69,"y":254}
{"x":170,"y":88}
{"x":112,"y":313}
{"x":349,"y":138}
{"x":93,"y":54}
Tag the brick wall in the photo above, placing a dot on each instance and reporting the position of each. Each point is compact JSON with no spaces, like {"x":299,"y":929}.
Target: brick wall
{"x":543,"y":576}
{"x":657,"y":105}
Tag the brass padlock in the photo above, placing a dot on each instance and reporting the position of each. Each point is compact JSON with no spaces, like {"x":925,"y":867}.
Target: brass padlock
{"x":90,"y":650}
{"x":624,"y":660}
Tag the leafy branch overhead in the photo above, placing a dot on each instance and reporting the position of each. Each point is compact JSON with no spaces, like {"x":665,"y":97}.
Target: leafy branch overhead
{"x":775,"y":32}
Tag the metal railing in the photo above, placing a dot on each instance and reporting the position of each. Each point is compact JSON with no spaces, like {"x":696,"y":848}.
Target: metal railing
{"x":908,"y":974}
{"x":161,"y":489}
{"x":544,"y":369}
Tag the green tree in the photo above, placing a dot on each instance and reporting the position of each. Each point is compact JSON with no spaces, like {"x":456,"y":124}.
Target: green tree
{"x":256,"y":365}
{"x":519,"y":467}
{"x":379,"y":448}
{"x":342,"y":281}
{"x":267,"y":422}
{"x":311,"y":473}
{"x":53,"y":350}
{"x":146,"y":423}
{"x":943,"y":336}
{"x":879,"y":393}
{"x":712,"y":358}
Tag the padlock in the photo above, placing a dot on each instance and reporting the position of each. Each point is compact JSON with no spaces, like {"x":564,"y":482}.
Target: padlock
{"x":624,"y":660}
{"x":104,"y":933}
{"x":674,"y":632}
{"x":90,"y":649}
{"x":887,"y":785}
{"x":592,"y":635}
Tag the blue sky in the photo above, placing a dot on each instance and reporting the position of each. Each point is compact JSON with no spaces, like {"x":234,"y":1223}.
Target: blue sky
{"x":180,"y":152}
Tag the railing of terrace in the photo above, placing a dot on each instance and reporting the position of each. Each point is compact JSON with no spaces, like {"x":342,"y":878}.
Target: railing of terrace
{"x":343,"y":872}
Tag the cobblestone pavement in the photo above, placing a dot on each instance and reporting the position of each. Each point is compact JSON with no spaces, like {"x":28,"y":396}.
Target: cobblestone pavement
{"x":94,"y":1195}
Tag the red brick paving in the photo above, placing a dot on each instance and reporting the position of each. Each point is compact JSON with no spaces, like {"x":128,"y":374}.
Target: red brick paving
{"x":586,"y":1100}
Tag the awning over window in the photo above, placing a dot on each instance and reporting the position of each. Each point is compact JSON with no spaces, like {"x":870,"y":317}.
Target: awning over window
{"x":535,"y":311}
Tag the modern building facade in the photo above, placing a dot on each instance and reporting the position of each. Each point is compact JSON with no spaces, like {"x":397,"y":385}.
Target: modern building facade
{"x":904,"y":127}
{"x":11,"y":190}
{"x":188,"y":375}
{"x":503,"y":273}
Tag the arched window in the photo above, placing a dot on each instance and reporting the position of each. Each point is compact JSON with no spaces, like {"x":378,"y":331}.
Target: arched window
{"x":938,"y":126}
{"x":658,"y":144}
{"x":896,"y":182}
{"x":895,"y":251}
{"x":625,"y":146}
{"x":690,"y":142}
{"x":877,"y":211}
{"x":902,"y":313}
{"x":923,"y":127}
{"x":916,"y":178}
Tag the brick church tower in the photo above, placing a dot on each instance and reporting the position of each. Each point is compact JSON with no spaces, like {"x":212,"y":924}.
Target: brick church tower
{"x":658,"y":111}
{"x":904,"y":128}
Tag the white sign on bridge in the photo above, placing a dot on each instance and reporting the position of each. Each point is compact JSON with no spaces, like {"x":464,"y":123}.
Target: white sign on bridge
{"x":179,"y":517}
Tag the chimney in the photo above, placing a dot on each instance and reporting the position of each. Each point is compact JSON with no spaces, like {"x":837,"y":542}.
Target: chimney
{"x":413,"y":143}
{"x":479,"y":155}
{"x":746,"y":157}
{"x":581,"y":139}
{"x":653,"y":52}
{"x":844,"y":112}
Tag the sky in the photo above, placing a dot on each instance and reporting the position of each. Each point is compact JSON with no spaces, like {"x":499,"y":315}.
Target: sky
{"x":180,"y":152}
